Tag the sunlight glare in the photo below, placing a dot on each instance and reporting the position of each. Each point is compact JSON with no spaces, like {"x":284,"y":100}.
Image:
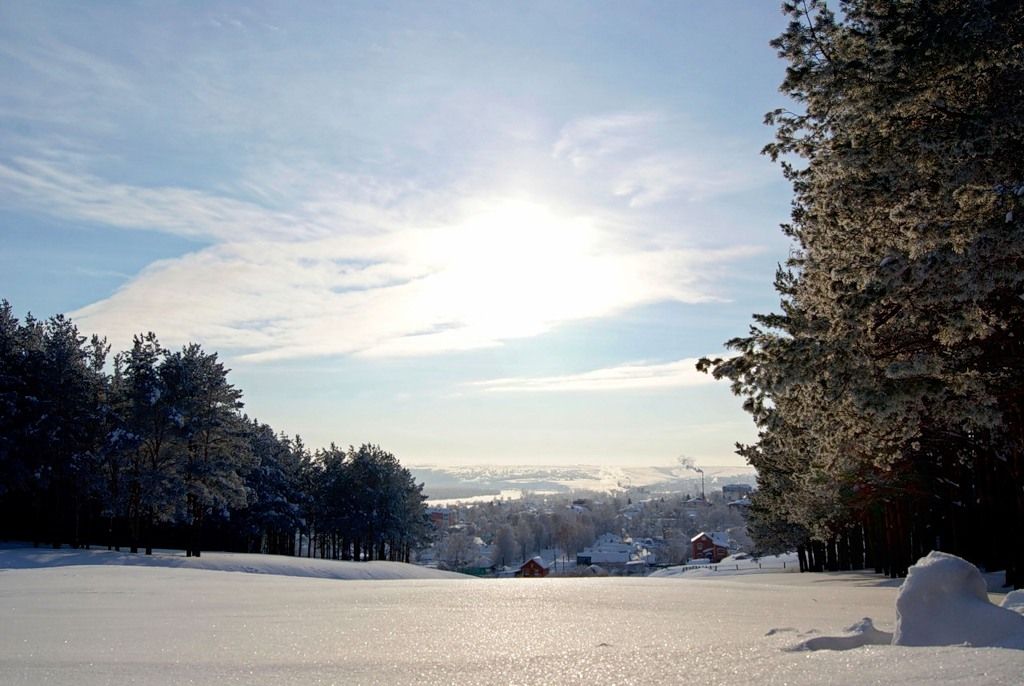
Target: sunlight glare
{"x":514,"y":268}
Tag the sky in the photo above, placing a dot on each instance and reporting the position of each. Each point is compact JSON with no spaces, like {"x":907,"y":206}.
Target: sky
{"x":470,"y":233}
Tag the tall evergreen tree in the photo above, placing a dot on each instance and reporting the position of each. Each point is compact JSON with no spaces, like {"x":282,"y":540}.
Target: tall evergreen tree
{"x":151,"y":481}
{"x":14,"y":467}
{"x":887,"y":392}
{"x":274,"y":482}
{"x":207,"y":437}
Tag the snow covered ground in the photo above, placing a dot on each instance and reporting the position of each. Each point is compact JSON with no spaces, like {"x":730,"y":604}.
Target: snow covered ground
{"x":64,"y":621}
{"x":29,"y":558}
{"x":734,"y":565}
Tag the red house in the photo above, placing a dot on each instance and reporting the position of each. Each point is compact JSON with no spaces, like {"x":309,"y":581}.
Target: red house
{"x":709,"y":546}
{"x":534,"y":567}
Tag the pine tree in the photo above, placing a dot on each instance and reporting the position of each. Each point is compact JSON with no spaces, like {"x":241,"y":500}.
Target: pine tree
{"x":15,"y":472}
{"x":151,"y":482}
{"x":888,"y":392}
{"x":273,"y":514}
{"x":160,"y":447}
{"x":207,"y":438}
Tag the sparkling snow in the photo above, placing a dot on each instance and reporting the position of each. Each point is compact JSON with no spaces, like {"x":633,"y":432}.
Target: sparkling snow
{"x":147,"y":624}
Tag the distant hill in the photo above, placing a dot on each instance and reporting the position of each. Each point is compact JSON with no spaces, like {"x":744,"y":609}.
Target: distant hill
{"x":465,"y":481}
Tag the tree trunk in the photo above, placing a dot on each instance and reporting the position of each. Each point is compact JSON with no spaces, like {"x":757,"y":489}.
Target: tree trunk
{"x":801,"y":555}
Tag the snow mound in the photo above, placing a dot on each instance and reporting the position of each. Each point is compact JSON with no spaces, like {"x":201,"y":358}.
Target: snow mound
{"x":250,"y":563}
{"x":1014,"y":600}
{"x":944,"y":601}
{"x":863,"y":633}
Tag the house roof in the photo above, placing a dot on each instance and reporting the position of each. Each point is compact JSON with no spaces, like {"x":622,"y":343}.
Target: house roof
{"x":719,"y":538}
{"x":539,"y":560}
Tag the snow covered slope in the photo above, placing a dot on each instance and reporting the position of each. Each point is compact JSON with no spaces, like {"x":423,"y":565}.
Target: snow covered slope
{"x":28,"y":558}
{"x":87,"y":625}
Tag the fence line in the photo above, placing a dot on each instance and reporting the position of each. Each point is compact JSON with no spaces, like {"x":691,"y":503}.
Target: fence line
{"x":735,"y":567}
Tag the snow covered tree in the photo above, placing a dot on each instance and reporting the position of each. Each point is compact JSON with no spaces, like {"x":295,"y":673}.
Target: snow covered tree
{"x":273,"y":514}
{"x":888,"y":391}
{"x":457,"y":550}
{"x":207,"y":431}
{"x":504,"y":550}
{"x":19,"y":346}
{"x":52,"y":385}
{"x":159,"y":450}
{"x":386,"y":504}
{"x":151,"y":482}
{"x":366,"y":506}
{"x":525,"y":536}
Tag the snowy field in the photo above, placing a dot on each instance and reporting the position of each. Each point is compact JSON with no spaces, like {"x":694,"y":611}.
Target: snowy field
{"x":82,"y":618}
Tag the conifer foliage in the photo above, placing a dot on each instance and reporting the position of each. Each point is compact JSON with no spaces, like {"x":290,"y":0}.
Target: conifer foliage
{"x":889,"y":390}
{"x":158,"y":452}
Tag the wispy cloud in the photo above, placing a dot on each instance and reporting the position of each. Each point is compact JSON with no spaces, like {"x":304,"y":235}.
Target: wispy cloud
{"x":588,"y":141}
{"x":297,"y":259}
{"x":50,"y":187}
{"x":650,"y":157}
{"x":304,"y":262}
{"x":102,"y":273}
{"x":500,"y":268}
{"x":628,"y":377}
{"x":65,"y":67}
{"x":330,"y":214}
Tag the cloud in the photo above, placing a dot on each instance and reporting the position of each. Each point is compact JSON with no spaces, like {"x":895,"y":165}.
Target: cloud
{"x":462,"y":223}
{"x":650,"y":157}
{"x":501,"y":269}
{"x":319,"y":203}
{"x":589,"y":140}
{"x":45,"y":186}
{"x":301,"y":261}
{"x":679,"y":374}
{"x":53,"y":72}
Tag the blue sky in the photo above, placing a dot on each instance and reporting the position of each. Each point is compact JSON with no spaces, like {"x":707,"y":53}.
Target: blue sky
{"x":469,"y":232}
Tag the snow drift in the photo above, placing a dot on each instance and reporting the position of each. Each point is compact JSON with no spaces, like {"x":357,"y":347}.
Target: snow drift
{"x":863,"y":633}
{"x":944,"y":602}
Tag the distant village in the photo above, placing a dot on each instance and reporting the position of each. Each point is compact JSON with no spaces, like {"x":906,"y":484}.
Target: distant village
{"x":630,"y":532}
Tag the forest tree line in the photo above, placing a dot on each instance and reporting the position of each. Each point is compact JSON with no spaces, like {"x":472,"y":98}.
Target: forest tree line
{"x":151,"y":448}
{"x":889,"y":390}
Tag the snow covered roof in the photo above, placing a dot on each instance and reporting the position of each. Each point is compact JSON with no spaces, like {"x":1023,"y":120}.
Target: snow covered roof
{"x":610,"y":547}
{"x":539,"y":560}
{"x":719,"y":538}
{"x":607,"y":555}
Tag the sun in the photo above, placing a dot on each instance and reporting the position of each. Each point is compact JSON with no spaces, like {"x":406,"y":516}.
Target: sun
{"x":513,"y":268}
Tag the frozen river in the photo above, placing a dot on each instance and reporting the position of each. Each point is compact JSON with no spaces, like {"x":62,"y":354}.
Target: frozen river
{"x":124,"y":625}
